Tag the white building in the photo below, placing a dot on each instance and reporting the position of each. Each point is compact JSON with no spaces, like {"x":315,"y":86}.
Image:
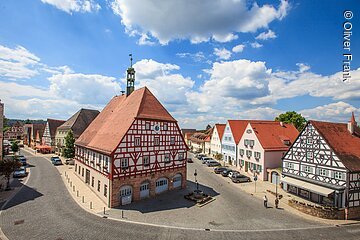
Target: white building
{"x":216,"y":137}
{"x":262,"y":145}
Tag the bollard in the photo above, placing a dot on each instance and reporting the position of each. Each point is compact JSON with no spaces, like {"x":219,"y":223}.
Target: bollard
{"x":83,"y":200}
{"x":90,"y":205}
{"x":122,"y":213}
{"x":74,"y":188}
{"x":104,"y":211}
{"x":77,"y":193}
{"x":70,"y":183}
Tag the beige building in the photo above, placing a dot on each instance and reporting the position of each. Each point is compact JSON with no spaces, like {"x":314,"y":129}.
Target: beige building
{"x":77,"y":123}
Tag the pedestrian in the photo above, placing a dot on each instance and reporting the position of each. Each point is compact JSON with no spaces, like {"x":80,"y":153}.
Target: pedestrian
{"x":265,"y":201}
{"x":276,"y":202}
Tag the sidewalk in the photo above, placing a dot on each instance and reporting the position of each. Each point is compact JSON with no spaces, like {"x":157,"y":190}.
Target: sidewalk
{"x":261,"y":191}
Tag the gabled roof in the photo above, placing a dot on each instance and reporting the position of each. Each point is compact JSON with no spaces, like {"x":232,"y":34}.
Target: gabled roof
{"x":272,"y":134}
{"x":53,"y":125}
{"x":202,"y":136}
{"x":345,"y":145}
{"x":238,"y":127}
{"x":109,"y":127}
{"x":220,"y":129}
{"x":38,"y":127}
{"x":79,"y":121}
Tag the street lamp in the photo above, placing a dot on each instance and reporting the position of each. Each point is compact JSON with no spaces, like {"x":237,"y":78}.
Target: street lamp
{"x":197,"y":184}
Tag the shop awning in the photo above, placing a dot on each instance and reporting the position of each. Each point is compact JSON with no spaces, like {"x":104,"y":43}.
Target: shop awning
{"x":43,"y":147}
{"x":308,"y":186}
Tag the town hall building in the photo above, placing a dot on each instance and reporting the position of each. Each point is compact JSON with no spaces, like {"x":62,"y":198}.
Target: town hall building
{"x":132,"y":150}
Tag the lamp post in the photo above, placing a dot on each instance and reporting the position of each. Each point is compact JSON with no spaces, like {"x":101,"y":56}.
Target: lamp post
{"x":197,"y":184}
{"x":255,"y":179}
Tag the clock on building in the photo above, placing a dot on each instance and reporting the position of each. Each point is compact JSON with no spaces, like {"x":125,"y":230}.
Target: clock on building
{"x":156,"y":128}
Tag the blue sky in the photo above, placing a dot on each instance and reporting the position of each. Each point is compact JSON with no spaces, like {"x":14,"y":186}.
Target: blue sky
{"x":206,"y":63}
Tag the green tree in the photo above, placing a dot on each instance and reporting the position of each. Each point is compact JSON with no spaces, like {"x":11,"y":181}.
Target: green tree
{"x":292,"y":117}
{"x":218,"y":156}
{"x":14,"y":147}
{"x":69,"y":149}
{"x":27,"y":121}
{"x":7,"y":167}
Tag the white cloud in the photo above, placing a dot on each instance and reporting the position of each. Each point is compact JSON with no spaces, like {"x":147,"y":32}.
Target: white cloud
{"x":84,"y":88}
{"x":303,"y":67}
{"x":266,"y":35}
{"x":231,"y":86}
{"x":222,"y":53}
{"x":169,"y":87}
{"x":197,"y":23}
{"x":256,"y":45}
{"x":238,"y":48}
{"x":17,"y":63}
{"x":197,"y":57}
{"x":70,"y":6}
{"x":333,"y":112}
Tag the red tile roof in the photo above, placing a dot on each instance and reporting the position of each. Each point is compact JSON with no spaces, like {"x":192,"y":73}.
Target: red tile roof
{"x":109,"y":127}
{"x":53,"y":125}
{"x":238,"y":127}
{"x":220,"y":129}
{"x":272,"y":134}
{"x":345,"y":145}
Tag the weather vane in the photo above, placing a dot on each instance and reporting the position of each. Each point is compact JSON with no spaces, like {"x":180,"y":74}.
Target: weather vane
{"x":130,"y":55}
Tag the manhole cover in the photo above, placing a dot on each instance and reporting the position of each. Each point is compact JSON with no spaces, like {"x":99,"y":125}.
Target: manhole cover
{"x":19,"y":222}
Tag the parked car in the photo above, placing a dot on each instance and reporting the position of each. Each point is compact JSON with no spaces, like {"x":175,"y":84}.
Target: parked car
{"x":205,"y":159}
{"x":219,"y":170}
{"x":226,"y":172}
{"x":22,"y":160}
{"x":239,"y":178}
{"x":189,"y":160}
{"x":56,"y":160}
{"x":20,"y":172}
{"x":199,"y":156}
{"x":69,"y":161}
{"x":212,"y":163}
{"x":233,"y":172}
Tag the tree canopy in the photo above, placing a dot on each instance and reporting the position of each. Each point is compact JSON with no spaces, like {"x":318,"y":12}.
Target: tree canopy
{"x":14,"y":147}
{"x":292,"y":117}
{"x":7,"y":167}
{"x":69,"y":149}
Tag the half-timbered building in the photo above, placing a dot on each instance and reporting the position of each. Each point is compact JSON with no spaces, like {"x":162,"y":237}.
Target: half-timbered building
{"x":132,"y":150}
{"x":48,"y":138}
{"x":323,"y":166}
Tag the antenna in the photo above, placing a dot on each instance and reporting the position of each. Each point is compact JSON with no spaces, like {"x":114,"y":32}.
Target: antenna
{"x":122,"y":92}
{"x":130,"y":55}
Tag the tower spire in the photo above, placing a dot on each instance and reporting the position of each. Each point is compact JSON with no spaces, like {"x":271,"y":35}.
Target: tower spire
{"x":130,"y":78}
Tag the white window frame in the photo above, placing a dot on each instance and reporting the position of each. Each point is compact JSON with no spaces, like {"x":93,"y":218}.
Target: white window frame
{"x":311,"y":157}
{"x":156,"y":141}
{"x":167,"y":157}
{"x":338,"y":175}
{"x":137,"y":141}
{"x":165,"y":127}
{"x":147,"y":126}
{"x":124,"y":163}
{"x":180,"y":156}
{"x":309,"y":141}
{"x":323,"y":172}
{"x":146,"y":160}
{"x":172,"y":140}
{"x":307,"y":169}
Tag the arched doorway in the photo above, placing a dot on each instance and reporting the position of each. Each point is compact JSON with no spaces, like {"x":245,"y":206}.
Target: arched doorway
{"x":144,"y":190}
{"x":162,"y":185}
{"x":177,"y":180}
{"x":125,"y":194}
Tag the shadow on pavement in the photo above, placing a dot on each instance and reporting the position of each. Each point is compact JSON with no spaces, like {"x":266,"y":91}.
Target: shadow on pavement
{"x":169,"y":200}
{"x":25,"y":194}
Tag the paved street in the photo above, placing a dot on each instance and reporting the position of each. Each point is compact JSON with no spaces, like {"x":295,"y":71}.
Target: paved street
{"x":43,"y":209}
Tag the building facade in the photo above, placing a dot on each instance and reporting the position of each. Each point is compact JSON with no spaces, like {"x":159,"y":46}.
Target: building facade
{"x":77,"y":123}
{"x":262,"y":146}
{"x":216,"y":137}
{"x":323,"y":166}
{"x":48,"y":137}
{"x":1,"y":129}
{"x":15,"y":132}
{"x":133,"y":149}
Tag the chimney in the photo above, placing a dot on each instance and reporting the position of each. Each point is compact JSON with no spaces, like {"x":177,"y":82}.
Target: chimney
{"x":352,"y":124}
